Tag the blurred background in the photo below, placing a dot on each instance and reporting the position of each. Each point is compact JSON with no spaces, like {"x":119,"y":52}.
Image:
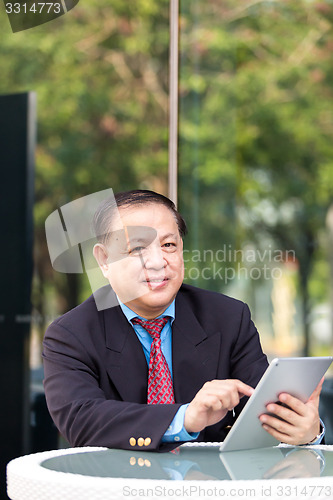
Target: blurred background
{"x":255,"y":154}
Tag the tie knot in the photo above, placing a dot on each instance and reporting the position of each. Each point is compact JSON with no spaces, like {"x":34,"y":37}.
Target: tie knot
{"x":153,"y":326}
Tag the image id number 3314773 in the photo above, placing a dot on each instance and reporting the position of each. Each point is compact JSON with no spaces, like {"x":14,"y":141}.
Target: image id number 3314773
{"x":33,"y":8}
{"x":304,"y":491}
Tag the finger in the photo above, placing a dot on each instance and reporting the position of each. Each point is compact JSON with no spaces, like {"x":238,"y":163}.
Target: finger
{"x":283,"y":438}
{"x":228,"y":399}
{"x":236,"y":389}
{"x":293,"y":403}
{"x":243,"y":389}
{"x":279,"y":430}
{"x":316,"y":393}
{"x":294,"y":437}
{"x":276,"y":470}
{"x":202,"y":411}
{"x":229,"y":391}
{"x":296,"y":404}
{"x":232,"y":384}
{"x":278,"y":425}
{"x":301,"y":431}
{"x":289,"y":415}
{"x":211,"y":402}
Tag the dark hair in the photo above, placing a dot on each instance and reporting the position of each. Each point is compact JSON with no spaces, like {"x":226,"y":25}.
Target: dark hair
{"x":105,"y":212}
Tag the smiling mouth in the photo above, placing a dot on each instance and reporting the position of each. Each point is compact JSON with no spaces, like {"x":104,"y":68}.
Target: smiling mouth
{"x":156,"y":282}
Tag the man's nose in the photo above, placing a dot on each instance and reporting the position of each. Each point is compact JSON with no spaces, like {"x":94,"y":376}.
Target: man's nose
{"x":154,"y":257}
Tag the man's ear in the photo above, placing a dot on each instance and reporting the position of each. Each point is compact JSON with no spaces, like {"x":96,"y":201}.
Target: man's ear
{"x":101,"y":256}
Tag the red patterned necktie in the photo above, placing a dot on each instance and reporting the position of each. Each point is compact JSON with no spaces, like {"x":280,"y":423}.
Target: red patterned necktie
{"x":160,"y":386}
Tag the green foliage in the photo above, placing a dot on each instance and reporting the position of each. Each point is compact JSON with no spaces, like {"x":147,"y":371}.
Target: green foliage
{"x":256,"y":127}
{"x":256,"y":146}
{"x":256,"y":124}
{"x":101,"y":77}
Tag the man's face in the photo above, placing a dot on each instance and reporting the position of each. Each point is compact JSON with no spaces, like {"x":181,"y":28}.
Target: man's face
{"x":145,"y":258}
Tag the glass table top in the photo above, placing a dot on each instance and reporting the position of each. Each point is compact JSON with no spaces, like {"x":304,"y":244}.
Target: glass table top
{"x":198,"y":463}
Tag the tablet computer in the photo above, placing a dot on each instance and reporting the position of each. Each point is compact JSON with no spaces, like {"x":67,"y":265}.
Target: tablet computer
{"x":296,"y":376}
{"x":252,"y":464}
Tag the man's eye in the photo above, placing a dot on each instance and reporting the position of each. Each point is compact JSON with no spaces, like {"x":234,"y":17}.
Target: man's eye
{"x":136,"y":250}
{"x":169,"y":245}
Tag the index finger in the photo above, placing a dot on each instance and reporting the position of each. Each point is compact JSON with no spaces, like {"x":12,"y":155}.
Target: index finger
{"x":243,"y":389}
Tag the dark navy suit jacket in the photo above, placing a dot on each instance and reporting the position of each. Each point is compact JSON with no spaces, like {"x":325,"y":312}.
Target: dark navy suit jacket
{"x":96,"y":372}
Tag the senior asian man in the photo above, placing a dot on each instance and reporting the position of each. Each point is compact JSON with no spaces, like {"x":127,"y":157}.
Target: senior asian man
{"x":99,"y":366}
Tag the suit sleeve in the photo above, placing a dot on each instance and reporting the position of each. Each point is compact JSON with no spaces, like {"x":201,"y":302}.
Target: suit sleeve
{"x":246,"y":362}
{"x":82,"y":411}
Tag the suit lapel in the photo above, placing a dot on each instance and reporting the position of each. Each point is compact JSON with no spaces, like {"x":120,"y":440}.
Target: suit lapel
{"x":126,"y":362}
{"x":195,"y":353}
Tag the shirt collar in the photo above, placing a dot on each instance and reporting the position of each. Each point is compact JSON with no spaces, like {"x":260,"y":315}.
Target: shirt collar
{"x":170,"y":311}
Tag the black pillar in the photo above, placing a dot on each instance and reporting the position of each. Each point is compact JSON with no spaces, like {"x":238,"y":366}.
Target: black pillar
{"x":17,"y":149}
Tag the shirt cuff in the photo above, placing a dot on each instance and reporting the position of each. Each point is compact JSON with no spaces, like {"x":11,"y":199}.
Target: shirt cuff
{"x":318,"y":439}
{"x":176,"y":430}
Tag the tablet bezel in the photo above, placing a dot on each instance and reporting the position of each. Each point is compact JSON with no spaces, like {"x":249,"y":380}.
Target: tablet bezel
{"x":296,"y":376}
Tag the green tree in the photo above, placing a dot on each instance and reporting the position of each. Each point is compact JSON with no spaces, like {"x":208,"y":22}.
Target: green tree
{"x":255,"y":129}
{"x":101,"y":77}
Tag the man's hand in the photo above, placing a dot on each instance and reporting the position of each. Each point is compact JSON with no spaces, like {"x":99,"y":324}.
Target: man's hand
{"x":300,"y":463}
{"x":300,"y":423}
{"x":212,"y":403}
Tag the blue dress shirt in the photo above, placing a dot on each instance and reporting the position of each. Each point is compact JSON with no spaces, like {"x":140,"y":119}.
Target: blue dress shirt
{"x":176,"y":430}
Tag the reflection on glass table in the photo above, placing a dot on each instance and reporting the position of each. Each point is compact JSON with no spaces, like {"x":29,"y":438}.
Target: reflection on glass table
{"x":200,"y":463}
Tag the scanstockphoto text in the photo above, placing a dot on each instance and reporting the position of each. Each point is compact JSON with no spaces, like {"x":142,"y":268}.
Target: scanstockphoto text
{"x":188,"y":491}
{"x":229,"y":490}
